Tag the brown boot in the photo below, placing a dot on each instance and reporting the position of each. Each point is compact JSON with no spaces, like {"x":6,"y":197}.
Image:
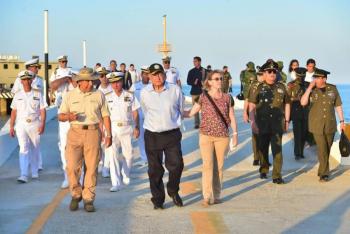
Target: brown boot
{"x":74,"y":204}
{"x":89,"y":206}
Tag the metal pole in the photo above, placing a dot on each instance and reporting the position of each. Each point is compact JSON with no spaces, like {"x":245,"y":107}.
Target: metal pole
{"x":46,"y":55}
{"x":84,"y":53}
{"x":164,"y":35}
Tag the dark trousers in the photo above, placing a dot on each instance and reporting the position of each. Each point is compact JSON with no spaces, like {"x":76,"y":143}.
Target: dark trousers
{"x":300,"y":133}
{"x":276,"y":146}
{"x":168,"y":142}
{"x":324,"y":143}
{"x":255,"y":145}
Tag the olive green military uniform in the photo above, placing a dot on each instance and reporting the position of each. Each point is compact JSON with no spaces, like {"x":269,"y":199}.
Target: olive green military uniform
{"x":226,"y":82}
{"x":270,"y":102}
{"x":247,"y":76}
{"x":255,"y":137}
{"x":322,"y":122}
{"x":281,"y":75}
{"x":298,"y":115}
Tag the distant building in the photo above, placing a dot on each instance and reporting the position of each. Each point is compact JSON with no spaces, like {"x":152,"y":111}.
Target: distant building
{"x":10,"y":66}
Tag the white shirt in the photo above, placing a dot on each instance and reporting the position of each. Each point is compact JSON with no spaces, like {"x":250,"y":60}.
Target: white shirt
{"x":60,"y":73}
{"x":172,"y":75}
{"x":134,"y":76}
{"x":121,"y":107}
{"x":308,"y":76}
{"x":163,"y":111}
{"x":105,"y":90}
{"x":136,"y":89}
{"x":28,"y":105}
{"x":37,"y":83}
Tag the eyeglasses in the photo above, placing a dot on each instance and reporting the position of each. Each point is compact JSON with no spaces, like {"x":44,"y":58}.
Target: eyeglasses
{"x":271,"y":71}
{"x":216,"y":79}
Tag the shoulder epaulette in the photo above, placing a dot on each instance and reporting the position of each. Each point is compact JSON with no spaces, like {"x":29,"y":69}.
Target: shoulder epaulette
{"x":108,"y":93}
{"x":332,"y":85}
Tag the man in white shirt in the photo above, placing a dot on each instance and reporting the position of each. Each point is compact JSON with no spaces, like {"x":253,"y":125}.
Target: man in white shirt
{"x":29,"y":114}
{"x":61,"y":83}
{"x":172,"y":74}
{"x":134,"y":74}
{"x":310,"y":66}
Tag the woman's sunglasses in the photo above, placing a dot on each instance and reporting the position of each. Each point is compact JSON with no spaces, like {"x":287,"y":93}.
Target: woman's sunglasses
{"x":217,"y":79}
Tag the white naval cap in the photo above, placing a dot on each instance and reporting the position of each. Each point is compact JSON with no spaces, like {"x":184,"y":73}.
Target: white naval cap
{"x":26,"y":75}
{"x":102,"y":70}
{"x":115,"y":76}
{"x":62,"y":58}
{"x":144,"y":68}
{"x":32,"y":63}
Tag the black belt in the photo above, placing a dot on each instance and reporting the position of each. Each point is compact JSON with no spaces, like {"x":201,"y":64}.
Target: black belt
{"x":165,"y":132}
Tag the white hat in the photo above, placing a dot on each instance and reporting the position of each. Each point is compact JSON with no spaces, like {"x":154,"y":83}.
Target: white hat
{"x":144,"y":68}
{"x":101,"y":70}
{"x":115,"y":76}
{"x":26,"y":74}
{"x":32,"y":62}
{"x":62,"y":58}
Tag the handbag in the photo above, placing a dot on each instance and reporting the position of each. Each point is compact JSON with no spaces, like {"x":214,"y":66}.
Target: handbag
{"x":344,"y":145}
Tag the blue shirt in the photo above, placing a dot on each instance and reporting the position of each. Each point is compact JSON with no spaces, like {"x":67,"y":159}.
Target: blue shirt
{"x":162,"y":111}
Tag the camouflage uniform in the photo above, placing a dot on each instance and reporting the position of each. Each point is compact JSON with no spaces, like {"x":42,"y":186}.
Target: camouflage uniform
{"x":247,"y":76}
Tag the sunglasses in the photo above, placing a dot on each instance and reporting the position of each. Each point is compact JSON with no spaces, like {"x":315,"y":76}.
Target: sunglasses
{"x":271,"y":71}
{"x":217,"y":79}
{"x":166,"y":62}
{"x":63,"y":61}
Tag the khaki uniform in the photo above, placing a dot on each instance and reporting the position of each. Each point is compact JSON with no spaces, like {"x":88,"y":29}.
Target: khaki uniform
{"x":270,"y":103}
{"x":296,"y":90}
{"x":322,"y":122}
{"x":255,"y":137}
{"x":83,"y":139}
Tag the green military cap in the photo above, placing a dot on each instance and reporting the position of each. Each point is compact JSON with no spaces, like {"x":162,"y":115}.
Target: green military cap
{"x":280,"y":65}
{"x":320,"y":73}
{"x":269,"y":65}
{"x":85,"y":73}
{"x":300,"y":71}
{"x":115,"y":76}
{"x":155,"y":68}
{"x":26,"y":75}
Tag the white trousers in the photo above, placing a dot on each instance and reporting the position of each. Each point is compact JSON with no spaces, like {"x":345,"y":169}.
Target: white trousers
{"x":63,"y":128}
{"x":141,"y":142}
{"x":119,"y":164}
{"x":29,"y":143}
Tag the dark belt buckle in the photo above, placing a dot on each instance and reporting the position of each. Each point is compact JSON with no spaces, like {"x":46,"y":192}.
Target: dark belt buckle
{"x":85,"y":127}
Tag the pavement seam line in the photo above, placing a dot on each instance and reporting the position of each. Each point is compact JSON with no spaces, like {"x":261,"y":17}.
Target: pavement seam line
{"x":46,"y":213}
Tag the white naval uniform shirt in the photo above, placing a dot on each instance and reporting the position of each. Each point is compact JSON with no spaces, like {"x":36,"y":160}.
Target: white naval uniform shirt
{"x":37,"y":83}
{"x":172,"y":75}
{"x":121,"y":109}
{"x":59,"y":73}
{"x":136,"y":89}
{"x":28,"y":105}
{"x":134,"y":76}
{"x":105,"y":90}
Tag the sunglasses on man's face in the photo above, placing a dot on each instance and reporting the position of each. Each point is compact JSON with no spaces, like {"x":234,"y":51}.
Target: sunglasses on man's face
{"x":216,"y":79}
{"x":63,"y":61}
{"x":166,"y":62}
{"x":271,"y":71}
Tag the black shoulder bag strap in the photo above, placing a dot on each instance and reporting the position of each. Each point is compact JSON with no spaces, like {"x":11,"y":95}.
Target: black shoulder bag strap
{"x":216,"y":108}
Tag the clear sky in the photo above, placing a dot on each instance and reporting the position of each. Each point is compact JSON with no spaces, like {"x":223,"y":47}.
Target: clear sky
{"x":222,"y":32}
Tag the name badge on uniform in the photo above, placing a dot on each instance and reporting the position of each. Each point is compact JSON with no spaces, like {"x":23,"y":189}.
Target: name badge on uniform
{"x":110,"y":101}
{"x":127,"y":99}
{"x":331,"y":94}
{"x":36,"y":98}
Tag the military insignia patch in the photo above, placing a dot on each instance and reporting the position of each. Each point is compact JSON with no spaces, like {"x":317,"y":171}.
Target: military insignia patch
{"x":280,"y":90}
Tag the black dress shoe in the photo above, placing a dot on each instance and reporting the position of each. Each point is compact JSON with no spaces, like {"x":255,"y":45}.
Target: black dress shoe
{"x":324,"y":178}
{"x":196,"y":126}
{"x":158,"y":207}
{"x":297,"y":157}
{"x":302,"y":156}
{"x":278,"y":181}
{"x":269,"y":164}
{"x":177,"y":200}
{"x":263,"y":176}
{"x":256,"y":163}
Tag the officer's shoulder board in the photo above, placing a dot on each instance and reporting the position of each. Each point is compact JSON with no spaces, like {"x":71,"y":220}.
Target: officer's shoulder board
{"x":331,"y":85}
{"x":129,"y":93}
{"x":281,"y":84}
{"x":108,"y":93}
